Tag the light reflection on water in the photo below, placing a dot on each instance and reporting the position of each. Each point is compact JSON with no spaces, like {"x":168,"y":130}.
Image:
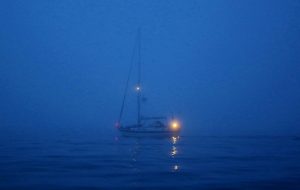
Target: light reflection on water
{"x":174,"y":152}
{"x":118,"y":162}
{"x":140,"y":148}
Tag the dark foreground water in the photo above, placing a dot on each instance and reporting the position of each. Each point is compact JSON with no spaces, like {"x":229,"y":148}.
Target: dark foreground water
{"x":113,"y":162}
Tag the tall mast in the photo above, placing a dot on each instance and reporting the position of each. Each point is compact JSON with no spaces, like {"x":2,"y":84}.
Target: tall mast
{"x":139,"y":79}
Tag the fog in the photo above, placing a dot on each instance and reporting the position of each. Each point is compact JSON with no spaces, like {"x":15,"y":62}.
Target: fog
{"x":222,"y":67}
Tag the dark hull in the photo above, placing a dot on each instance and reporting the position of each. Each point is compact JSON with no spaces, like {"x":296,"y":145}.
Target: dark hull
{"x":147,"y":133}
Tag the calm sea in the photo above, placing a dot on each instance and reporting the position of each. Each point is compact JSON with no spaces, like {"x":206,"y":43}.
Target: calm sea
{"x":115,"y":162}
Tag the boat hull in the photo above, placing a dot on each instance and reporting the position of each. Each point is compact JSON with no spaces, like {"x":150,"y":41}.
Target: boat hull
{"x":141,"y":132}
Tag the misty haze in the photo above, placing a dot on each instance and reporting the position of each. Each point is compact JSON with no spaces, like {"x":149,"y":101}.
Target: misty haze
{"x":133,"y":94}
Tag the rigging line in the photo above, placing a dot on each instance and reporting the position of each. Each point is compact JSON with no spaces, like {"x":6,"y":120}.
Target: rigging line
{"x":128,"y":79}
{"x":139,"y":78}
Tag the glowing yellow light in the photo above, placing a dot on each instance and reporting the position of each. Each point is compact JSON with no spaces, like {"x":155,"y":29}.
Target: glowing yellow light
{"x":175,"y":125}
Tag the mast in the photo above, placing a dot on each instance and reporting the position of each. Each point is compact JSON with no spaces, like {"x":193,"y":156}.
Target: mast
{"x":139,"y":80}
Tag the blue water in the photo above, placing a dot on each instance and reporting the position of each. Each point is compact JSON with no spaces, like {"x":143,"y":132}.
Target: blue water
{"x":114,"y":162}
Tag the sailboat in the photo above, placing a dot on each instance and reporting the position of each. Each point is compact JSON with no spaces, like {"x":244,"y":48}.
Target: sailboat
{"x":145,"y":126}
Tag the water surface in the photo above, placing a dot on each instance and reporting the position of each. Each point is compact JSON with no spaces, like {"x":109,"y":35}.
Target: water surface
{"x":115,"y":162}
